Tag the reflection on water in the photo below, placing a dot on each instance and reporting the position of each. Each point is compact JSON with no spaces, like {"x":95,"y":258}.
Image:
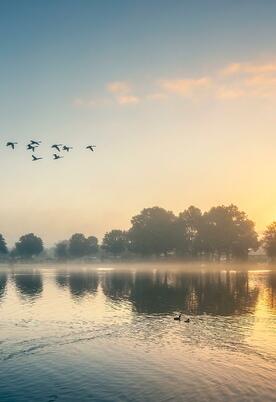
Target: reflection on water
{"x":107,"y":335}
{"x":28,"y":284}
{"x":3,"y":282}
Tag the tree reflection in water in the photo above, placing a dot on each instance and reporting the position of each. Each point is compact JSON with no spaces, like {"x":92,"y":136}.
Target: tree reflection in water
{"x":3,"y":284}
{"x":80,"y":283}
{"x":28,"y":284}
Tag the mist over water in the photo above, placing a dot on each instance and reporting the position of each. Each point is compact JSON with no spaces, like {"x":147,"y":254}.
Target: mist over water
{"x":95,"y":333}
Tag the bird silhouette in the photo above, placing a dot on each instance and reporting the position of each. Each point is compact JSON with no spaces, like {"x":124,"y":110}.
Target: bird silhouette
{"x":32,"y":142}
{"x":91,"y":147}
{"x":187,"y":320}
{"x":57,"y":156}
{"x":11,"y":144}
{"x":57,"y":146}
{"x":66,"y":148}
{"x":31,"y":147}
{"x":35,"y":158}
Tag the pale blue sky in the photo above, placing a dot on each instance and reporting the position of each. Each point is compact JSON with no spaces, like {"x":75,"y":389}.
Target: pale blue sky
{"x":152,"y":84}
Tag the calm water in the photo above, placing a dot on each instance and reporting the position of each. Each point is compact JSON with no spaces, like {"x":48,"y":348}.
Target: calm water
{"x":99,"y":334}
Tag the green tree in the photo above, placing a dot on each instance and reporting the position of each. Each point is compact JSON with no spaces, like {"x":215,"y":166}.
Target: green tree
{"x":115,"y":242}
{"x":29,"y":245}
{"x":153,"y":232}
{"x":3,"y":245}
{"x":61,"y":250}
{"x":269,"y":240}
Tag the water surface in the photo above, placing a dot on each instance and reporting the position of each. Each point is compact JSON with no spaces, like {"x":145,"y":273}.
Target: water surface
{"x":108,"y":334}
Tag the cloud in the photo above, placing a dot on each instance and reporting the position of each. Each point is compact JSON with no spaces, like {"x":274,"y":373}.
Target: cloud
{"x":127,"y":99}
{"x":122,"y":93}
{"x":229,"y":93}
{"x":118,"y":87}
{"x":185,"y":87}
{"x":248,"y":68}
{"x":233,"y":82}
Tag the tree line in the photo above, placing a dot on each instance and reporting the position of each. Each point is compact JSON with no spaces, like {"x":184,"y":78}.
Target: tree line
{"x":222,"y":232}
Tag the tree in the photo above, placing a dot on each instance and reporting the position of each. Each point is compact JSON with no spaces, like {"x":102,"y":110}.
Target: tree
{"x":115,"y":242}
{"x":61,"y":250}
{"x":153,"y":232}
{"x":228,"y":231}
{"x":28,"y":246}
{"x":189,"y":228}
{"x":3,"y":245}
{"x":269,"y":240}
{"x":93,"y":246}
{"x":78,"y":246}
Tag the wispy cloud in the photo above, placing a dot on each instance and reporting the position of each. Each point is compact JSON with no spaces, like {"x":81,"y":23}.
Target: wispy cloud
{"x":233,"y":82}
{"x":248,"y":68}
{"x":185,"y":86}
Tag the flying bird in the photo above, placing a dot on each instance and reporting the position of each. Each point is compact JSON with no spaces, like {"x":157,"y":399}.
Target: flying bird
{"x":57,"y":156}
{"x":32,"y":142}
{"x":11,"y":144}
{"x":35,"y":158}
{"x":31,"y":147}
{"x":91,"y":147}
{"x":66,"y":148}
{"x":57,"y":147}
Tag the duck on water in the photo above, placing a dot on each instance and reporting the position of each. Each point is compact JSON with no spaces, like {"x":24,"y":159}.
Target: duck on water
{"x":178,"y":318}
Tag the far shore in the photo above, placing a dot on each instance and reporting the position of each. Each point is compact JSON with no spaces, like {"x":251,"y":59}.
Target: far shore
{"x":145,"y":265}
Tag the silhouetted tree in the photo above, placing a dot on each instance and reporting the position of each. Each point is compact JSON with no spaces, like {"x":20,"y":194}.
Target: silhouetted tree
{"x":189,"y":232}
{"x":3,"y":246}
{"x":269,"y":240}
{"x":28,"y":246}
{"x":92,"y":244}
{"x":152,"y":232}
{"x":61,"y":250}
{"x":228,"y":231}
{"x":115,"y":242}
{"x":78,"y":246}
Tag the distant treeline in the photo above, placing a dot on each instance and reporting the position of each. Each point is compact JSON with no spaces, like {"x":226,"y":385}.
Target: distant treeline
{"x":222,"y":232}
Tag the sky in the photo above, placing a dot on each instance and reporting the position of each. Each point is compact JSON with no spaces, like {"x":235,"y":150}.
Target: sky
{"x":178,"y":97}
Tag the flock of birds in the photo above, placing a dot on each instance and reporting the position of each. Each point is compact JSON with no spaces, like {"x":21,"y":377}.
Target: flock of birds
{"x":33,"y":145}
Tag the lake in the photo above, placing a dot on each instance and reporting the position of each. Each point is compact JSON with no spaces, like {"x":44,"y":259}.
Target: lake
{"x":106,"y":333}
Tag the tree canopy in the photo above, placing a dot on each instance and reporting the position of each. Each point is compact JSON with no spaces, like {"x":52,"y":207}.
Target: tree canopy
{"x":28,"y":246}
{"x":115,"y":242}
{"x":3,"y":245}
{"x":269,"y":240}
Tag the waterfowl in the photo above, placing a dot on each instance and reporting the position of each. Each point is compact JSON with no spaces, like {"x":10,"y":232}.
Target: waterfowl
{"x":11,"y":144}
{"x":57,"y":156}
{"x":35,"y":158}
{"x":91,"y":147}
{"x":187,"y":320}
{"x":32,"y":142}
{"x":178,"y":318}
{"x":66,"y":148}
{"x":57,"y":146}
{"x":31,"y":147}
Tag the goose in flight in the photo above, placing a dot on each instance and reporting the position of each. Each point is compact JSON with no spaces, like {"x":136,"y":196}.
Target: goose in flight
{"x":32,"y":142}
{"x":91,"y":147}
{"x":57,"y":146}
{"x":57,"y":156}
{"x":11,"y":144}
{"x":66,"y":148}
{"x":31,"y":147}
{"x":35,"y":158}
